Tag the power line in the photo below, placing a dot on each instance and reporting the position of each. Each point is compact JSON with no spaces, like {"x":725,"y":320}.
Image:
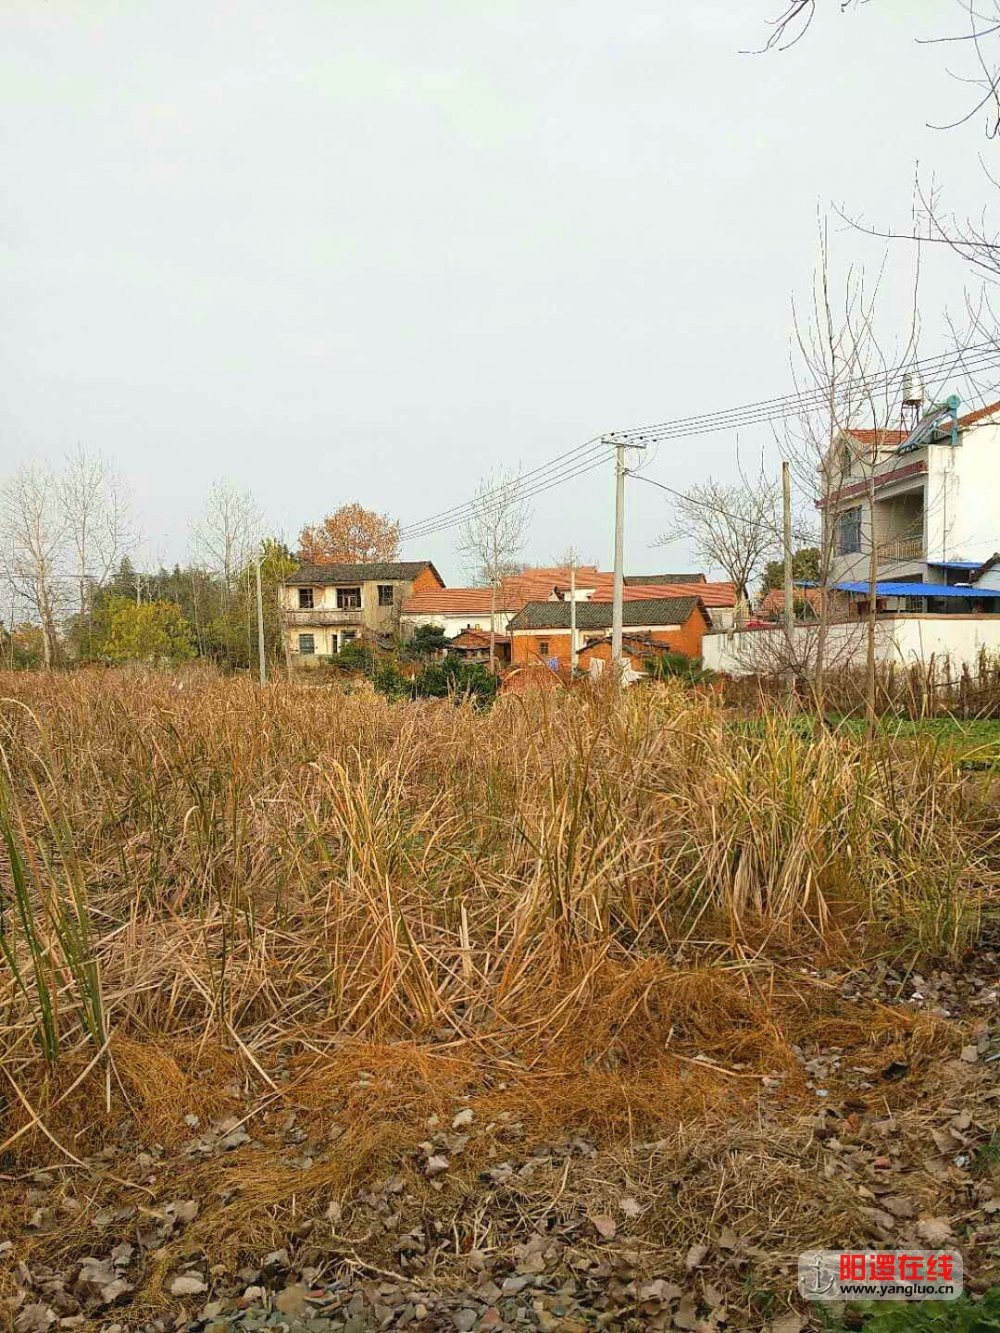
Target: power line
{"x":544,"y":483}
{"x":598,"y":444}
{"x":592,"y":453}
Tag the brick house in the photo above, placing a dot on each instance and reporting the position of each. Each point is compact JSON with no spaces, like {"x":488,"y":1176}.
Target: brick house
{"x":456,"y":610}
{"x":540,"y":632}
{"x":326,"y":607}
{"x":473,"y":645}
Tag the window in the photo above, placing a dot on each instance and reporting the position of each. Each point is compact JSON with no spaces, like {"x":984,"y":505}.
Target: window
{"x":543,"y":647}
{"x":849,"y":532}
{"x":306,"y":599}
{"x":349,"y":599}
{"x":848,"y":460}
{"x":386,"y":593}
{"x":347,"y":636}
{"x":307,"y":644}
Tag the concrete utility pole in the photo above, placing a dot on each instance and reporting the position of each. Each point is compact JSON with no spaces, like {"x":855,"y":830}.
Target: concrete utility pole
{"x":789,"y":607}
{"x":572,"y":616}
{"x":618,"y":595}
{"x":261,"y":661}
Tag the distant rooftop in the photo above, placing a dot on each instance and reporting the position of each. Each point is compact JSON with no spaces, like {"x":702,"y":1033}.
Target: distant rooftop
{"x":663,"y":578}
{"x":919,"y":590}
{"x":388,"y":571}
{"x":643,"y":612}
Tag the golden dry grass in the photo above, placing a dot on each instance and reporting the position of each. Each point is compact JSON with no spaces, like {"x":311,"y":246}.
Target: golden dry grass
{"x":586,"y":912}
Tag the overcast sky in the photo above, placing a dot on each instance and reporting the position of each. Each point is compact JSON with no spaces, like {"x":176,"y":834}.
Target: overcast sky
{"x":368,"y":250}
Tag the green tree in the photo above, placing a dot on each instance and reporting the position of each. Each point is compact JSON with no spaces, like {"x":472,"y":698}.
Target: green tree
{"x":426,"y":640}
{"x":146,"y":632}
{"x":805,"y":569}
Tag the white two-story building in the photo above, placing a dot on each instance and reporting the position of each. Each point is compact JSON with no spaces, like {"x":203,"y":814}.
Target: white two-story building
{"x":936,"y":500}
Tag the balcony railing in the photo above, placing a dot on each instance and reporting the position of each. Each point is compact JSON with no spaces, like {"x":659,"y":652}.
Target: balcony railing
{"x":901,"y":548}
{"x":323,"y":615}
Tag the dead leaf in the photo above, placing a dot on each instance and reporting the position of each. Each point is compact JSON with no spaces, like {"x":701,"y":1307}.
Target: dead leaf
{"x":684,"y":1315}
{"x":788,"y":1323}
{"x":292,"y":1300}
{"x":188,"y":1284}
{"x":695,"y":1257}
{"x":945,"y":1141}
{"x":713,"y":1296}
{"x":934,"y":1230}
{"x":660,"y":1290}
{"x":34,"y":1319}
{"x":604,"y":1226}
{"x":898,"y":1206}
{"x":631,"y":1207}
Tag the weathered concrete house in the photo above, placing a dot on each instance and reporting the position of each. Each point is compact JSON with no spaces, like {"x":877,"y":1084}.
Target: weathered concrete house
{"x":326,"y":607}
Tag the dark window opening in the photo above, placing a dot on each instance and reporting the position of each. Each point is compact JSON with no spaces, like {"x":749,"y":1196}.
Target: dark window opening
{"x":349,"y":599}
{"x":543,"y":647}
{"x":307,"y":644}
{"x":849,"y":532}
{"x":386,"y":594}
{"x":306,"y":599}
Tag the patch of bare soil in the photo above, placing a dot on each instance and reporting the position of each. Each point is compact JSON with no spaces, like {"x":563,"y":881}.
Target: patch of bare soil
{"x":656,"y":1161}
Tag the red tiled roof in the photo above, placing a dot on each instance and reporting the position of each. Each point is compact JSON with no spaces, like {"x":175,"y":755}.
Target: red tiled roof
{"x":712,"y":594}
{"x":896,"y":437}
{"x":773,"y":601}
{"x":477,"y":638}
{"x":455,"y":601}
{"x":547,"y":583}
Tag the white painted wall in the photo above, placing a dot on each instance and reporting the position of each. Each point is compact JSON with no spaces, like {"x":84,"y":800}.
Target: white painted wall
{"x":454,"y":623}
{"x":902,"y":639}
{"x":961,"y":496}
{"x":975,"y":527}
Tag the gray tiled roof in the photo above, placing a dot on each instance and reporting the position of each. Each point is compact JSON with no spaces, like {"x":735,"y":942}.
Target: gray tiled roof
{"x":646,"y":579}
{"x":386,"y":571}
{"x":597,"y":615}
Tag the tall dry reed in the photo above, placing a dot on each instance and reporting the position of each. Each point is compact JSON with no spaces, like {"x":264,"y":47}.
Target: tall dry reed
{"x":193,"y":855}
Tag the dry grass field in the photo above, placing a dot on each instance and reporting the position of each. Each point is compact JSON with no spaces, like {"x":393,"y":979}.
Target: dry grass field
{"x":569,"y":989}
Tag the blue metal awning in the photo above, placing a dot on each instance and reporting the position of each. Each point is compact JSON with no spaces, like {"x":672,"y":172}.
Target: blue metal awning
{"x":919,"y":590}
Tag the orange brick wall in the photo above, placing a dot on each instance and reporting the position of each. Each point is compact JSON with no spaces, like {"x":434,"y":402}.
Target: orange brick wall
{"x":686,"y":639}
{"x":425,"y":581}
{"x":525,"y":648}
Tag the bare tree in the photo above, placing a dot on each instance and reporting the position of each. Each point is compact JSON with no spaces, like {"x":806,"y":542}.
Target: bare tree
{"x":732,"y":526}
{"x":979,"y":32}
{"x":32,"y":544}
{"x":492,"y":536}
{"x":847,"y":432}
{"x":95,"y":511}
{"x":228,"y":532}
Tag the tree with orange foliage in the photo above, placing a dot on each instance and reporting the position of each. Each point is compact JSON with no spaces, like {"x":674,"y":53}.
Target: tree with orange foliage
{"x":350,"y":534}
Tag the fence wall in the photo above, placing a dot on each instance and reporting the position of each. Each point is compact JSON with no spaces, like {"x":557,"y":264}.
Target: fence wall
{"x":904,"y":640}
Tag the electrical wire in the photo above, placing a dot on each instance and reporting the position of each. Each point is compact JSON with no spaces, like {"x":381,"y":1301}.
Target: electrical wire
{"x":594,"y":452}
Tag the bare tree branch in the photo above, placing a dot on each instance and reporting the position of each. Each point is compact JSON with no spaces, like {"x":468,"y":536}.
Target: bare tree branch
{"x":493,"y":534}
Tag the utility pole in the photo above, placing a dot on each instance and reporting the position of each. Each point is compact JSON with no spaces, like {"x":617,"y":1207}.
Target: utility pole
{"x":572,"y":616}
{"x":618,"y":595}
{"x":789,"y":607}
{"x":261,"y":660}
